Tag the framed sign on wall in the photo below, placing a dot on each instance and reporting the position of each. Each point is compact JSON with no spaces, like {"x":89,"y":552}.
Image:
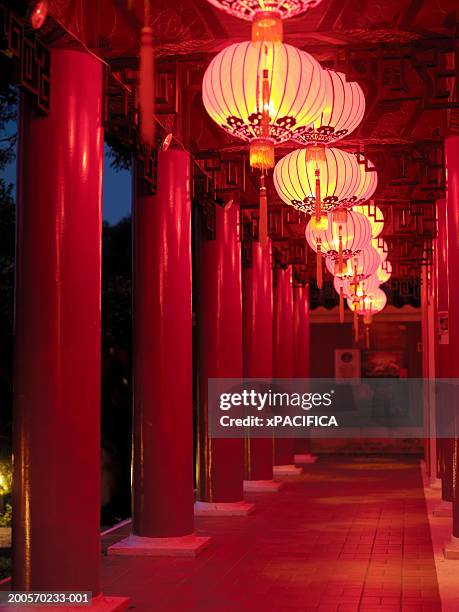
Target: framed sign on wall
{"x":347,"y":363}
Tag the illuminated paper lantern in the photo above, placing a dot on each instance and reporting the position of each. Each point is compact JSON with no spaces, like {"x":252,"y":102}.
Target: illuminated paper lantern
{"x":358,"y":267}
{"x":343,"y":112}
{"x":374,"y":215}
{"x":261,"y":93}
{"x":356,"y":290}
{"x":338,"y":241}
{"x":369,"y":304}
{"x":349,"y":237}
{"x":337,"y":182}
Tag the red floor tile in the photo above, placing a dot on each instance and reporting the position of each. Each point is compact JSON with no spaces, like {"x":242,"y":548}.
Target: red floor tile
{"x":349,"y":535}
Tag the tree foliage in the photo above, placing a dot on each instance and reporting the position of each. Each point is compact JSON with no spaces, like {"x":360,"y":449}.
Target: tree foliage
{"x":7,"y":230}
{"x":116,"y":315}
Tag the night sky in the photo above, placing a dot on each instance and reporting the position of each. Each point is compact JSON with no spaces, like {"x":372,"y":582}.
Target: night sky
{"x":117,"y":188}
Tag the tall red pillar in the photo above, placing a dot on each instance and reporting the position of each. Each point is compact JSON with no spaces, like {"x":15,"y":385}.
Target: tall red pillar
{"x":444,"y":415}
{"x":163,"y":481}
{"x":283,"y":360}
{"x":301,"y":358}
{"x":220,"y":461}
{"x":430,"y":343}
{"x":257,"y":332}
{"x":452,"y":207}
{"x":56,"y":519}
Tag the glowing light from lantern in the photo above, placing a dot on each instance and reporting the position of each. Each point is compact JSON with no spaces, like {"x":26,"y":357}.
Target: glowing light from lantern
{"x":261,"y":92}
{"x":358,"y":267}
{"x":348,"y":238}
{"x":38,"y":12}
{"x":356,"y":290}
{"x":370,"y":304}
{"x":374,"y":215}
{"x":342,"y":113}
{"x":248,"y":9}
{"x":344,"y":182}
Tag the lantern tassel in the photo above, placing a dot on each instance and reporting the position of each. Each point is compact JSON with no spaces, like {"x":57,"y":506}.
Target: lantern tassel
{"x":341,"y":305}
{"x":367,"y":337}
{"x":319,"y":275}
{"x":146,"y":81}
{"x":318,"y":195}
{"x":340,"y":250}
{"x":263,"y":222}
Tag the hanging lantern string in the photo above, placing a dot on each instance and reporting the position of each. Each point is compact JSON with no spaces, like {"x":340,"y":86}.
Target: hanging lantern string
{"x":265,"y":97}
{"x":263,"y":223}
{"x":340,"y":248}
{"x":146,"y":79}
{"x":318,"y":220}
{"x":319,"y":265}
{"x":355,"y":284}
{"x":263,"y":226}
{"x":318,"y":194}
{"x":367,"y":336}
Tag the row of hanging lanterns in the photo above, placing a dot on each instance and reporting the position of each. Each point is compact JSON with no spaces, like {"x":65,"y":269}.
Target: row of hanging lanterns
{"x":266,"y":92}
{"x":361,"y":281}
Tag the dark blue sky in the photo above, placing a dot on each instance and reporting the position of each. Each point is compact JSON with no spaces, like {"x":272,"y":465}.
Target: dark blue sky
{"x":117,"y":188}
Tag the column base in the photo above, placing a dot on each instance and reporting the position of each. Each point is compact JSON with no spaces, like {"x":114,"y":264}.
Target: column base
{"x":307,"y":458}
{"x":452,"y":549}
{"x":181,"y":546}
{"x":287,"y":470}
{"x":101,"y":603}
{"x":223,"y":509}
{"x":262,"y":486}
{"x":445,"y":509}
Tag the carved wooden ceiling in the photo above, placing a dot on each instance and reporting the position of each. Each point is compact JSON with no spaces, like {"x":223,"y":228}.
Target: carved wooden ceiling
{"x":192,"y":26}
{"x":404,"y":54}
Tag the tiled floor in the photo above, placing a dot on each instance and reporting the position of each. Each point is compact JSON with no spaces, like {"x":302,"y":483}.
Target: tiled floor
{"x":350,"y":534}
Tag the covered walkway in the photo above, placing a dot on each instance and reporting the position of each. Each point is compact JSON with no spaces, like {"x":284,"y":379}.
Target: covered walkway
{"x":349,"y":534}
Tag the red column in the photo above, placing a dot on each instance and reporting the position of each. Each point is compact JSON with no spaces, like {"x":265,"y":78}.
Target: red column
{"x":56,"y":530}
{"x":443,"y":346}
{"x":163,"y":495}
{"x":163,"y":481}
{"x":301,"y":349}
{"x":283,"y":352}
{"x":428,"y":373}
{"x":220,"y":461}
{"x":257,"y":294}
{"x":452,"y":206}
{"x":301,"y":357}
